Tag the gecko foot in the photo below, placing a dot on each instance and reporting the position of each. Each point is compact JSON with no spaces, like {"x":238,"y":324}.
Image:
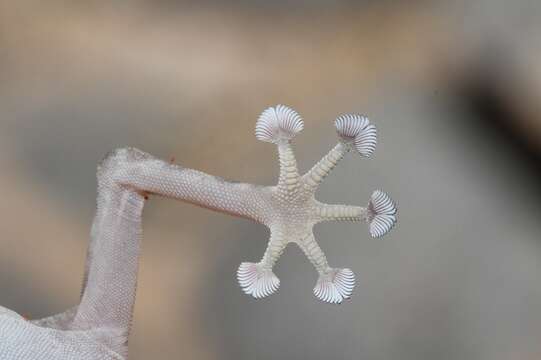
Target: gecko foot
{"x":335,"y":286}
{"x":256,"y":281}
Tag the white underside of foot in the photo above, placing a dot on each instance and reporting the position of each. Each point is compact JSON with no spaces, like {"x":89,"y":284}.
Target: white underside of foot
{"x":256,"y":281}
{"x":335,"y":286}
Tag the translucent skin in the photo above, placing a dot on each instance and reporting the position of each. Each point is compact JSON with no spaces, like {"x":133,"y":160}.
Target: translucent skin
{"x":98,"y":328}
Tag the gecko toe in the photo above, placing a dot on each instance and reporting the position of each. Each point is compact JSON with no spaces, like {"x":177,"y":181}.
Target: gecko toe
{"x":335,"y":286}
{"x":256,"y":281}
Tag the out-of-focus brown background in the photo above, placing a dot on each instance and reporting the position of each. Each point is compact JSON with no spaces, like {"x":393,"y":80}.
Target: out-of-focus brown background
{"x":454,"y":88}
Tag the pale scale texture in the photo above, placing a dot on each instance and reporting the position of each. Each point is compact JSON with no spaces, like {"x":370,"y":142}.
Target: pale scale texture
{"x":98,"y":328}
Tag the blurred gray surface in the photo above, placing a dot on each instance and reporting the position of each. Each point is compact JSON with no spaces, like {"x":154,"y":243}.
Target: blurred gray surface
{"x":456,"y":279}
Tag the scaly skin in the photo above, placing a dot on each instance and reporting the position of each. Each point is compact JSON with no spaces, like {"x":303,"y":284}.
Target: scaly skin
{"x":295,"y":210}
{"x":98,"y":328}
{"x":292,"y":209}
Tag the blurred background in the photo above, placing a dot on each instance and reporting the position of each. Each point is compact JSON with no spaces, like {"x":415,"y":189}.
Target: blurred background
{"x":454,"y":88}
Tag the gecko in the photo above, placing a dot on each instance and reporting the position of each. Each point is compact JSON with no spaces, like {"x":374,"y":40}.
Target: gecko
{"x":98,"y":328}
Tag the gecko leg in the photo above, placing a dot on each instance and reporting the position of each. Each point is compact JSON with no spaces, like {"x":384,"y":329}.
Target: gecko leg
{"x":334,"y":284}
